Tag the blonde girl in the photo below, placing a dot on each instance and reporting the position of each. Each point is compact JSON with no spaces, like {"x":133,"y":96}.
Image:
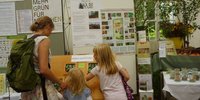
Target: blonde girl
{"x":77,"y":89}
{"x":108,"y":70}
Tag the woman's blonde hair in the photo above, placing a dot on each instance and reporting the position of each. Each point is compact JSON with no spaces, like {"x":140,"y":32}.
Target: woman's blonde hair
{"x":41,"y":22}
{"x":75,"y":80}
{"x":105,"y":58}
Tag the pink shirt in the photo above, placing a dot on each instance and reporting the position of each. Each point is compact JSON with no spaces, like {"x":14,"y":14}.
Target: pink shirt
{"x":111,"y":85}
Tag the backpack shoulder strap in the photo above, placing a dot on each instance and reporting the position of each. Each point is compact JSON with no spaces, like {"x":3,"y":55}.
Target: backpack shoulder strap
{"x":36,"y":35}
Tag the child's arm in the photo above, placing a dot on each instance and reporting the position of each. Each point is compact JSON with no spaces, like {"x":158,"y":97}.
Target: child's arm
{"x":89,"y":76}
{"x":125,"y":74}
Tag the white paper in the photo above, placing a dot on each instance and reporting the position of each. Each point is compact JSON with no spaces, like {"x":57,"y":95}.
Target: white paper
{"x":162,"y":49}
{"x":86,"y":23}
{"x":7,"y":19}
{"x":142,"y":36}
{"x":82,"y":58}
{"x":146,"y":78}
{"x":118,"y":29}
{"x":144,"y":60}
{"x":5,"y":47}
{"x":10,"y":0}
{"x":24,"y":20}
{"x":51,"y":8}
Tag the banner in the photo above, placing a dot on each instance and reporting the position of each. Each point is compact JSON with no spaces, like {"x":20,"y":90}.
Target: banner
{"x":51,"y":8}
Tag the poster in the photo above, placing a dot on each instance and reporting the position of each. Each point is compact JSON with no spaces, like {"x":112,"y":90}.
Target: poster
{"x":5,"y":47}
{"x":143,"y":53}
{"x":51,"y":8}
{"x":24,"y":20}
{"x":9,"y":0}
{"x":7,"y":19}
{"x":2,"y":83}
{"x":118,"y":29}
{"x":170,"y":48}
{"x":85,"y":22}
{"x":145,"y":81}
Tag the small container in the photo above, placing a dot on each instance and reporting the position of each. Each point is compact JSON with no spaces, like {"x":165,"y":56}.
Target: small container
{"x":177,"y":76}
{"x":172,"y":74}
{"x":184,"y":73}
{"x":191,"y":77}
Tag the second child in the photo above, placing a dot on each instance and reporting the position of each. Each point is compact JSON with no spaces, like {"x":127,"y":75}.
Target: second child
{"x":77,"y":89}
{"x":109,"y":72}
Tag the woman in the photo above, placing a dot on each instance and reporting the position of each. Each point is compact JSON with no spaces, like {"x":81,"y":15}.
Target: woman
{"x":43,"y":26}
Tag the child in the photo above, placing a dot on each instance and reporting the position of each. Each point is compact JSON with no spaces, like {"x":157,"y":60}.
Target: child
{"x":108,"y":70}
{"x":76,"y":86}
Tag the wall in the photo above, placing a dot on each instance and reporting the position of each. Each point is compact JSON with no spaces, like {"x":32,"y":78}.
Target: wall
{"x":127,"y":60}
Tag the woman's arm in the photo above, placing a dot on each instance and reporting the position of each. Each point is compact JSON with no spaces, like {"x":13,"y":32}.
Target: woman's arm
{"x":125,"y":74}
{"x":43,"y":57}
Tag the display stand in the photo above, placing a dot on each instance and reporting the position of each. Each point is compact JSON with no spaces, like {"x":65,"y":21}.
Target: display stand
{"x":59,"y":65}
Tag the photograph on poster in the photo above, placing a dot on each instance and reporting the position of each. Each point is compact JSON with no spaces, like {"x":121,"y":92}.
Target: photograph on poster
{"x":118,"y":28}
{"x":109,"y":16}
{"x":119,"y":44}
{"x":91,"y":66}
{"x":131,"y":25}
{"x":69,"y":66}
{"x":126,"y":31}
{"x":103,"y":16}
{"x":129,"y":36}
{"x":114,"y":14}
{"x":131,"y":19}
{"x":131,"y":30}
{"x":105,"y":27}
{"x":119,"y":14}
{"x":93,"y":14}
{"x":104,"y":22}
{"x":130,"y":14}
{"x":111,"y":44}
{"x":94,"y":25}
{"x":104,"y":32}
{"x":125,"y":14}
{"x":130,"y":43}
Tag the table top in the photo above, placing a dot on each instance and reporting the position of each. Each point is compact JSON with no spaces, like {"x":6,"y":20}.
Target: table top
{"x":182,"y":90}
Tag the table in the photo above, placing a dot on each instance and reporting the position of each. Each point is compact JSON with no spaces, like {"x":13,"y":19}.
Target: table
{"x":183,"y":90}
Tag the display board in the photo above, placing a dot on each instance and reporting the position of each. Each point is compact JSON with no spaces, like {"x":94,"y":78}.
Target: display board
{"x":118,"y":10}
{"x":94,"y":23}
{"x":61,"y":64}
{"x":20,"y":7}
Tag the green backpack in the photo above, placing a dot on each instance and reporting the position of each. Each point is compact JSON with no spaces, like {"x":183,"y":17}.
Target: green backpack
{"x":21,"y":74}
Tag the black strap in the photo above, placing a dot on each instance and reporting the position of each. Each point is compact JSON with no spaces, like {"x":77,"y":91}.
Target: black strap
{"x":44,"y":92}
{"x":35,"y":36}
{"x":43,"y":87}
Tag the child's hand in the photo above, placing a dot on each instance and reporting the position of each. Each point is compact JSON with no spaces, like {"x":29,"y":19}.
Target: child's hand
{"x":63,"y":85}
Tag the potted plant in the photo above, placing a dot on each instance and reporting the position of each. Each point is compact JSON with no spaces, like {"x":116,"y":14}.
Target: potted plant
{"x":185,"y":12}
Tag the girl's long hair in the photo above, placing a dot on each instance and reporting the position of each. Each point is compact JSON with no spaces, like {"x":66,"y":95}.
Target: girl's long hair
{"x":76,"y":81}
{"x":105,"y":58}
